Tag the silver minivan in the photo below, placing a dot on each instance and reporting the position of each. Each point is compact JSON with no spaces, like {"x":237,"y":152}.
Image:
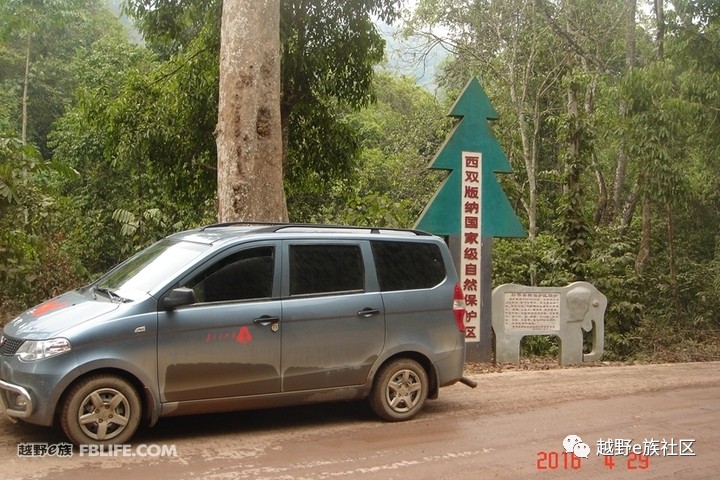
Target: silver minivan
{"x":241,"y":316}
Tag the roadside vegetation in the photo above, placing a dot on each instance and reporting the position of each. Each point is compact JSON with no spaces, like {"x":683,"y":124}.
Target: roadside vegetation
{"x":608,"y":113}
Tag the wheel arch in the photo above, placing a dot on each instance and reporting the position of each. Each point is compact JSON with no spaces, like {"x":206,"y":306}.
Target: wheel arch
{"x":423,"y":360}
{"x":148,"y":403}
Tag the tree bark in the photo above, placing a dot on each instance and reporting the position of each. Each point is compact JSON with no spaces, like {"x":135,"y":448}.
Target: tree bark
{"x":671,"y":253}
{"x":645,"y":239}
{"x":660,"y":32}
{"x":249,"y":133}
{"x":630,"y":35}
{"x":602,"y":202}
{"x":630,"y":63}
{"x":644,"y":253}
{"x":518,"y":79}
{"x":26,"y":84}
{"x":629,"y":209}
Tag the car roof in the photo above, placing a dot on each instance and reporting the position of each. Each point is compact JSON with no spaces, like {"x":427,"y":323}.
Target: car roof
{"x":229,"y":232}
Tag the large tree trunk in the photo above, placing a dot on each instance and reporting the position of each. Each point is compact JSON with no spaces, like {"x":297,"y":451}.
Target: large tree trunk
{"x":249,"y":134}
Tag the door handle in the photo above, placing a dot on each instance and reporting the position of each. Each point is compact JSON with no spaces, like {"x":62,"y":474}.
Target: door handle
{"x":266,"y":320}
{"x":368,"y":312}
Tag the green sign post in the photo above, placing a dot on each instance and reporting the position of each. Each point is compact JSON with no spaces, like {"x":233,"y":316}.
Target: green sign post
{"x":470,"y":208}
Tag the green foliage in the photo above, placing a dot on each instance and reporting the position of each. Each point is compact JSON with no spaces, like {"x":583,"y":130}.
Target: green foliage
{"x":149,"y":119}
{"x":540,"y":346}
{"x":574,"y":131}
{"x":17,"y":163}
{"x":38,"y":41}
{"x":309,"y":177}
{"x":33,"y":266}
{"x":168,"y":27}
{"x":142,"y":229}
{"x":137,"y":121}
{"x":46,"y":35}
{"x":538,"y":261}
{"x":149,"y":125}
{"x":389,"y":183}
{"x":656,"y":132}
{"x":329,"y":49}
{"x":573,"y":103}
{"x":371,"y":209}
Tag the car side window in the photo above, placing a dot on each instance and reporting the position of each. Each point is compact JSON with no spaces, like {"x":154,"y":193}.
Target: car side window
{"x":244,"y":275}
{"x":321,"y":269}
{"x":407,"y":265}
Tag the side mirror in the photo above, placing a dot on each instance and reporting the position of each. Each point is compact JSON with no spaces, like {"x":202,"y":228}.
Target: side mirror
{"x":177,"y":298}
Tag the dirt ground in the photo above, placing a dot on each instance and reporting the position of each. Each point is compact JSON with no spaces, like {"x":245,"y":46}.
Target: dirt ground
{"x":511,"y":426}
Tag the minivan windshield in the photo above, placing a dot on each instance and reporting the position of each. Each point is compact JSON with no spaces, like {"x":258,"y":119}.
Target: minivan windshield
{"x":146,"y":271}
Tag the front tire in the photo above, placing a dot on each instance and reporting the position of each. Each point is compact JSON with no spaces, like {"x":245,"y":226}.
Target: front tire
{"x":101,"y":410}
{"x":400,"y":390}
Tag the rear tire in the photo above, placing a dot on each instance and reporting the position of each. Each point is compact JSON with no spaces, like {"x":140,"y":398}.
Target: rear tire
{"x":400,"y":390}
{"x":101,"y":410}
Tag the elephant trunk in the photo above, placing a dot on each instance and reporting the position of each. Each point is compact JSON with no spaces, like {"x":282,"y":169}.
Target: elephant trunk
{"x":598,"y":342}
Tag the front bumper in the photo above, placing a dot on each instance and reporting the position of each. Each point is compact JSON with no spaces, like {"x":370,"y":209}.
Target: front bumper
{"x":22,"y":407}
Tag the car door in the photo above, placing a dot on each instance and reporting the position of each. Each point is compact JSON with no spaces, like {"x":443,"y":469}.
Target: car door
{"x":227,"y":343}
{"x":333,"y":315}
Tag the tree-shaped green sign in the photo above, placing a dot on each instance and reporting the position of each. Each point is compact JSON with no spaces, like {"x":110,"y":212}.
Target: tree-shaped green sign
{"x":442,"y":216}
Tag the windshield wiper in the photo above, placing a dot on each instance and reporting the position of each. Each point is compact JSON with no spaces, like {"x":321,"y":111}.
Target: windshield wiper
{"x":111,"y":295}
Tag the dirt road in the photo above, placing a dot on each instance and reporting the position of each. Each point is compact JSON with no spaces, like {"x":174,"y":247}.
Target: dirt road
{"x":512,"y":426}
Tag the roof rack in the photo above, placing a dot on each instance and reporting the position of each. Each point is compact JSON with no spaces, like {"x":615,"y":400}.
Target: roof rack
{"x":271,"y":227}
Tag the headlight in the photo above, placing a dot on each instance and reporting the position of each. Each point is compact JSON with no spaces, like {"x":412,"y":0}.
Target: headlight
{"x":38,"y":349}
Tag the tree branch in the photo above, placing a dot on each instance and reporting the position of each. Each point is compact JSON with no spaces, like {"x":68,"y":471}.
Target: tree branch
{"x":542,"y":6}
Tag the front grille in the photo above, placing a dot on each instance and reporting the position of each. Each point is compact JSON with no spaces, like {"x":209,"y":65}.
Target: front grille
{"x":10,"y":345}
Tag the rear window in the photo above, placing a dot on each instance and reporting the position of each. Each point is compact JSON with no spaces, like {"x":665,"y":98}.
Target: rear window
{"x":408,"y":265}
{"x":318,"y":269}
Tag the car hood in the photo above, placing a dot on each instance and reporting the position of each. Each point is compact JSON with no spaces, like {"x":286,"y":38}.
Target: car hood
{"x":49,"y":319}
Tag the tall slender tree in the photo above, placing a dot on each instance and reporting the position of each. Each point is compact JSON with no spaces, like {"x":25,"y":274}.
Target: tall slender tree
{"x":249,"y":134}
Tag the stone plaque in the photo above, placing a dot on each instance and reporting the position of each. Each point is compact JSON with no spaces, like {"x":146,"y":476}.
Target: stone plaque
{"x":565,"y":312}
{"x":530,"y":311}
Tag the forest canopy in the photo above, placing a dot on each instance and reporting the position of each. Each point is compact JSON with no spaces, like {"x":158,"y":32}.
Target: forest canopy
{"x":607,"y":112}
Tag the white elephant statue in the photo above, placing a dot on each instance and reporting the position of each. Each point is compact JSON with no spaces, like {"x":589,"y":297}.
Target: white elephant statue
{"x":519,"y":311}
